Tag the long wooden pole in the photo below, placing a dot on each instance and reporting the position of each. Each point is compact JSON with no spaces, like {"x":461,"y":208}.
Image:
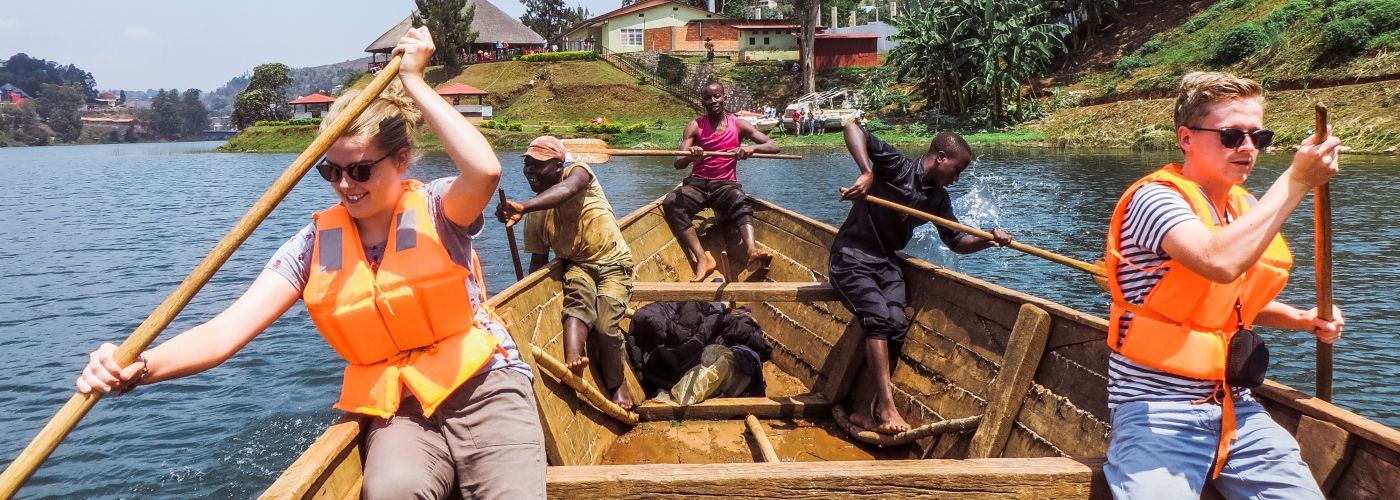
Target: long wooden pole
{"x":587,"y":391}
{"x":510,"y":238}
{"x":1322,"y":262}
{"x":657,"y":152}
{"x":1016,"y":245}
{"x":78,"y":405}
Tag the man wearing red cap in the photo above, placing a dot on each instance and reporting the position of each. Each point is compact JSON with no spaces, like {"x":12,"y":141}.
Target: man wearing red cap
{"x":570,"y":216}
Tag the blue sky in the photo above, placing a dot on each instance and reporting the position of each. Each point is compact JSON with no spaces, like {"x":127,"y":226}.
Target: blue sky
{"x":141,"y":44}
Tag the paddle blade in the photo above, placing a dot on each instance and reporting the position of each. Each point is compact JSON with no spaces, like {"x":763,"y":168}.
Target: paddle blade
{"x":588,"y":150}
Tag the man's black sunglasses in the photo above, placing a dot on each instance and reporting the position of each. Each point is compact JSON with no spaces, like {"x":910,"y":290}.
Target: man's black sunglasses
{"x":1233,"y":137}
{"x":358,"y":171}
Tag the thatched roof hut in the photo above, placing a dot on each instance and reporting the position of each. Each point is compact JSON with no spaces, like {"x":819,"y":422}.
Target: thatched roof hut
{"x":491,"y":24}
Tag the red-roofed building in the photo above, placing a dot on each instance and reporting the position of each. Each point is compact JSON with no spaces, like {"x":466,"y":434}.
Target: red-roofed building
{"x":103,"y":100}
{"x":312,"y":105}
{"x":12,"y":94}
{"x":659,"y":25}
{"x":460,"y":94}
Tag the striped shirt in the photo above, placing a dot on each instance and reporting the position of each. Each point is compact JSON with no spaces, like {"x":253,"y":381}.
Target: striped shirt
{"x":1153,"y":211}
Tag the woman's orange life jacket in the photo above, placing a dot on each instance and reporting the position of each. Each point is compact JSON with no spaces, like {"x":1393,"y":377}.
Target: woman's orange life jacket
{"x":408,"y":324}
{"x":1185,"y":323}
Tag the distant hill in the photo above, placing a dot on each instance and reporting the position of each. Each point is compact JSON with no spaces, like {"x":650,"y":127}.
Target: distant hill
{"x":304,"y":81}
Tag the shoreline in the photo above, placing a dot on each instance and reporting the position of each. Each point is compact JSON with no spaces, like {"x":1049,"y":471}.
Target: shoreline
{"x":288,"y":140}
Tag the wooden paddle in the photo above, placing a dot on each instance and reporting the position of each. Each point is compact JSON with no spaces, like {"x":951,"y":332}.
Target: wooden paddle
{"x":1016,"y":245}
{"x":510,"y":238}
{"x":1322,"y":261}
{"x":598,"y":151}
{"x":78,"y":405}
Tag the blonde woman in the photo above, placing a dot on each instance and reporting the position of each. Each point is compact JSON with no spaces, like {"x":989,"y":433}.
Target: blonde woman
{"x":450,"y":402}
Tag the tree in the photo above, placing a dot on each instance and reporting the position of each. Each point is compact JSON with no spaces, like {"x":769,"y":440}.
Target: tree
{"x":265,"y":98}
{"x":809,"y":13}
{"x":966,"y":52}
{"x":31,"y":74}
{"x":451,"y":26}
{"x":1011,"y":41}
{"x":545,"y":17}
{"x":121,"y":97}
{"x":927,"y":56}
{"x":59,"y":108}
{"x":165,"y":118}
{"x":21,"y":123}
{"x":195,"y":119}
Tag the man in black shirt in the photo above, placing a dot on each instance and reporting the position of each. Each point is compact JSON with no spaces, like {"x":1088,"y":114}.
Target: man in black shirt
{"x":864,"y":266}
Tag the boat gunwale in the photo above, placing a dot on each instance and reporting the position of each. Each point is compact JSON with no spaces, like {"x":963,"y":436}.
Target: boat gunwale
{"x":1362,"y":427}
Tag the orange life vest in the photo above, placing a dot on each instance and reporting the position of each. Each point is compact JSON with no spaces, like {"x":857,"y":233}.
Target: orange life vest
{"x":1184,"y":325}
{"x":408,"y":324}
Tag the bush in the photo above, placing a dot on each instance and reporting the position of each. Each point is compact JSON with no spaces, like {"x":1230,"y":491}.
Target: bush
{"x":545,"y":129}
{"x":636,"y":128}
{"x":1151,"y":46}
{"x":269,"y":123}
{"x":574,"y":55}
{"x":1127,"y":64}
{"x":1239,"y":42}
{"x":877,"y":125}
{"x":304,"y":121}
{"x":491,"y":124}
{"x":1389,"y":41}
{"x":1346,"y":36}
{"x":1201,"y":20}
{"x":1384,"y":15}
{"x":1283,"y":17}
{"x":515,"y":127}
{"x":597,"y":128}
{"x":1356,"y":25}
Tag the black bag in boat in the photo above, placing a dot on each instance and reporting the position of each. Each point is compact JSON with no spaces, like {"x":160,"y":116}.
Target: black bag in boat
{"x":1246,"y":360}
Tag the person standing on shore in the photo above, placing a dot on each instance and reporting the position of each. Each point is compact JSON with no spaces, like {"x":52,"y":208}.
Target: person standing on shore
{"x":449,"y":403}
{"x":865,"y":267}
{"x":570,"y":215}
{"x":1197,"y":262}
{"x":713,"y":181}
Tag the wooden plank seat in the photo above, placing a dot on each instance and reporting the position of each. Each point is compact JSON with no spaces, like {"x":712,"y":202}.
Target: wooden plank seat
{"x":739,"y":291}
{"x":985,"y":478}
{"x":804,"y":406}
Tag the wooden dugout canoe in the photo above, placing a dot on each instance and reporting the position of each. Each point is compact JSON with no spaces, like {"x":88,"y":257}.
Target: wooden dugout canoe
{"x":1045,"y":426}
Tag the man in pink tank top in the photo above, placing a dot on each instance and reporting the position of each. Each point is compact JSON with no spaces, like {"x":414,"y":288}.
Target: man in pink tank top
{"x":713,"y":181}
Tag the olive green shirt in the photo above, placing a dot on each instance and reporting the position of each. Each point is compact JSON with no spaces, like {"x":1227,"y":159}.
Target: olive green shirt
{"x":581,"y":229}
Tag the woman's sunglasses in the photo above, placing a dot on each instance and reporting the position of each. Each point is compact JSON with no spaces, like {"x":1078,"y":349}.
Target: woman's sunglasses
{"x":1233,"y":137}
{"x":358,"y":171}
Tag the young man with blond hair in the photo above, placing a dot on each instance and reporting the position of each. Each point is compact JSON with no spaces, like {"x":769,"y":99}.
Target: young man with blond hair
{"x":1197,"y":263}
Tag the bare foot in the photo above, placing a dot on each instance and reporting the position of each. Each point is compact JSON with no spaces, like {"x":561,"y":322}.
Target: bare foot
{"x":704,"y":265}
{"x":575,"y":345}
{"x":890,"y":421}
{"x":622,"y":397}
{"x":758,"y":260}
{"x":862,"y":418}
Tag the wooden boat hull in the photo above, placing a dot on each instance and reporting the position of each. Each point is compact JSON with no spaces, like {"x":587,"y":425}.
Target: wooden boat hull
{"x":949,"y":369}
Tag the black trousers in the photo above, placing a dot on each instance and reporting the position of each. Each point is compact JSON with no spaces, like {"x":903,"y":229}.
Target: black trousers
{"x":726,"y":197}
{"x":872,"y":288}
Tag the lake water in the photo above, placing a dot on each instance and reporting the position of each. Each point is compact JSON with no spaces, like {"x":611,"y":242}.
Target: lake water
{"x":93,"y":237}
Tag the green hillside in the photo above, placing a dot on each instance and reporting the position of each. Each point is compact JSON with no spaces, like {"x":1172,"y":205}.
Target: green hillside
{"x":1345,"y":54}
{"x":1285,"y":44}
{"x":569,"y":91}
